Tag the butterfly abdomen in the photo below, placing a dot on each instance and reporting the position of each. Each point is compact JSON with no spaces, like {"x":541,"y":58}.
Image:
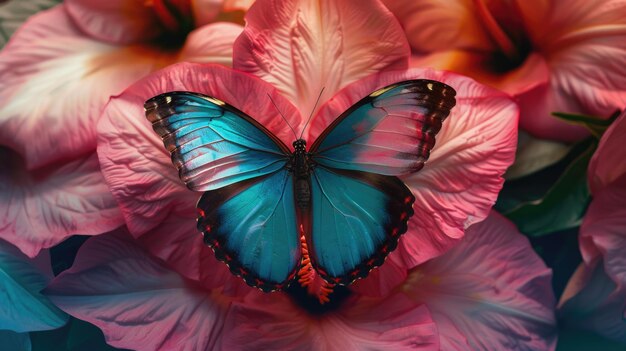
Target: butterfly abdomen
{"x":303,"y":193}
{"x":301,"y":168}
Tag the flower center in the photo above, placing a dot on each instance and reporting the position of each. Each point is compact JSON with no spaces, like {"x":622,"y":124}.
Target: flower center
{"x":312,"y":304}
{"x":176,"y":18}
{"x":506,"y":30}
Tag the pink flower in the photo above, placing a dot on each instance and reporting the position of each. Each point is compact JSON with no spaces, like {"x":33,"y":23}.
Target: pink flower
{"x":491,"y":292}
{"x":550,"y":55}
{"x":56,"y":74}
{"x":595,"y":297}
{"x":283,"y":45}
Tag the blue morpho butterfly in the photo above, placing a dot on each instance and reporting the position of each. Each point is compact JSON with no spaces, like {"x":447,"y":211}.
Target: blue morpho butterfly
{"x":341,"y":200}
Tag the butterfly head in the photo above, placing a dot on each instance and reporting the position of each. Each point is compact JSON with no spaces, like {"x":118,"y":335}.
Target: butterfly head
{"x":299,"y":145}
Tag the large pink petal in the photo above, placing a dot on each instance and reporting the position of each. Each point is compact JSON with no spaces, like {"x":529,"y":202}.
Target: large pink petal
{"x":54,"y":82}
{"x":607,"y":163}
{"x":432,"y":26}
{"x":273,"y":322}
{"x":491,"y":292}
{"x":211,"y":43}
{"x":15,"y":12}
{"x":303,"y":46}
{"x":39,"y":209}
{"x":137,"y":302}
{"x":461,"y":180}
{"x":178,"y":243}
{"x":115,"y":21}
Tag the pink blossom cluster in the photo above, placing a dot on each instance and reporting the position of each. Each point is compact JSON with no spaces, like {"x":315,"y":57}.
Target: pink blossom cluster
{"x":78,"y":157}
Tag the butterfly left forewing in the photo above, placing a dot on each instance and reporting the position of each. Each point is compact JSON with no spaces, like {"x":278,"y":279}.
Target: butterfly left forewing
{"x":246,"y":213}
{"x":360,"y":207}
{"x":212,"y":143}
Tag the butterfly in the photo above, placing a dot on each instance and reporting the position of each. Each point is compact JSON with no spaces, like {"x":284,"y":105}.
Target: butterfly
{"x":338,"y":204}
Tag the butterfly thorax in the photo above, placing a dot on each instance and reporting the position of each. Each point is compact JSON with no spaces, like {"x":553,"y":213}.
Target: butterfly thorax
{"x":301,"y":166}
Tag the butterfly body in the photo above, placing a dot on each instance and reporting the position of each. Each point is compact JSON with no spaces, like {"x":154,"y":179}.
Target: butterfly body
{"x":301,"y":166}
{"x":342,"y":197}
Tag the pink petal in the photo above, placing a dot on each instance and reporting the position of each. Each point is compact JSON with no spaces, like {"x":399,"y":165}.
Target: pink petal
{"x":273,"y":322}
{"x":233,"y":5}
{"x":137,"y":302}
{"x":441,"y":25}
{"x":15,"y":12}
{"x":115,"y":21}
{"x":584,"y":44}
{"x":53,"y":76}
{"x":301,"y":47}
{"x":205,"y":11}
{"x":178,"y":243}
{"x":382,"y":280}
{"x":461,"y":180}
{"x":491,"y":292}
{"x":211,"y":43}
{"x":607,"y":163}
{"x":603,"y":232}
{"x":39,"y":209}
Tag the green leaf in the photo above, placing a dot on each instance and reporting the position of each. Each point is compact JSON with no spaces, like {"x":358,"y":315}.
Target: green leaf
{"x":596,"y":125}
{"x":14,"y":341}
{"x":77,"y":335}
{"x":22,"y":307}
{"x":15,"y":12}
{"x":543,"y":207}
{"x":581,"y":340}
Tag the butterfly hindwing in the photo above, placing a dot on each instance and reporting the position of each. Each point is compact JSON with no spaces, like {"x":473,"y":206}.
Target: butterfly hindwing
{"x":390,"y":132}
{"x":212,"y":143}
{"x":252,"y":227}
{"x":357,"y":219}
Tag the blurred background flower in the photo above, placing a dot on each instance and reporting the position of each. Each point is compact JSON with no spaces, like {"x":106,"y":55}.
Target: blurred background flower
{"x":57,"y":72}
{"x":552,"y":56}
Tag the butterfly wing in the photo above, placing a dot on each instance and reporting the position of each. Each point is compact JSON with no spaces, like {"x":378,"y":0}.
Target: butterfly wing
{"x":357,"y":219}
{"x":360,"y":207}
{"x":252,"y":227}
{"x":212,"y":143}
{"x":389,"y":132}
{"x":247,"y":212}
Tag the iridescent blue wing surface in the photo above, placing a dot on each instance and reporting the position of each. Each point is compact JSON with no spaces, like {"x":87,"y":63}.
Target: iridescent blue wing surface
{"x":247,"y":212}
{"x":389,"y":132}
{"x":356,"y":221}
{"x":359,"y":207}
{"x":212,"y":143}
{"x":252,"y":227}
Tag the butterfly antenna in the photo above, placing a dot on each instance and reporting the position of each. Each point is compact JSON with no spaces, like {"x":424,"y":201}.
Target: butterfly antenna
{"x":283,"y":116}
{"x":311,"y":115}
